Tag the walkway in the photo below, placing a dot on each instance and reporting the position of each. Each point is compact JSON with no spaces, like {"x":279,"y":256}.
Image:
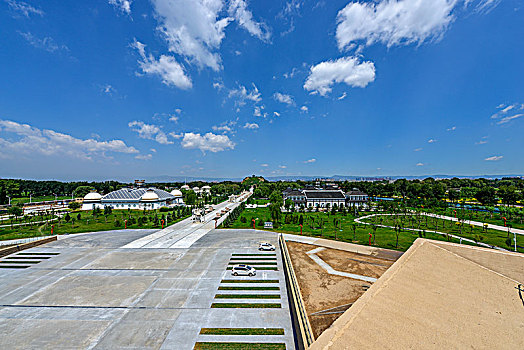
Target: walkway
{"x":184,"y":233}
{"x":332,"y":271}
{"x":476,"y":223}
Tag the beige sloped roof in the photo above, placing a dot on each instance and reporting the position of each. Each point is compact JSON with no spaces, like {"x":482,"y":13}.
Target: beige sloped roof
{"x":438,"y":295}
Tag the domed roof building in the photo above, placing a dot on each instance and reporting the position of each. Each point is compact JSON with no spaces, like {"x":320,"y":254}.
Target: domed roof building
{"x":179,"y":197}
{"x":206,"y":189}
{"x":91,"y":200}
{"x":185,"y":187}
{"x":132,"y":198}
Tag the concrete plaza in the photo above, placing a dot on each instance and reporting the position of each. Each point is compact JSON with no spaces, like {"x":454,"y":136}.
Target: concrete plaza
{"x":94,"y":293}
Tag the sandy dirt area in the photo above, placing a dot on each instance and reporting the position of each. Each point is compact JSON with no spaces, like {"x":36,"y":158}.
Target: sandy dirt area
{"x":322,"y":291}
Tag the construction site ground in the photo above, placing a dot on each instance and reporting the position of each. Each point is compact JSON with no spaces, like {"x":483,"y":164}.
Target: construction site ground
{"x":327,"y":296}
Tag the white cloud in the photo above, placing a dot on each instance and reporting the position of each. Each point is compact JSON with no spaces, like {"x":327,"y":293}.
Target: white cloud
{"x":265,"y":165}
{"x":343,"y":96}
{"x":251,"y":126}
{"x":208,"y":142}
{"x":173,"y":119}
{"x":276,"y":114}
{"x":282,"y":166}
{"x":175,"y":135}
{"x":26,"y":140}
{"x":312,"y":160}
{"x":241,"y":94}
{"x":218,"y":85}
{"x":291,"y":74}
{"x":481,"y":142}
{"x":24,"y":8}
{"x":494,"y":158}
{"x":153,"y":150}
{"x":417,"y":149}
{"x":420,"y":164}
{"x":503,"y":116}
{"x":509,"y":118}
{"x":47,"y":43}
{"x":108,"y":89}
{"x":283,"y":98}
{"x":238,"y":10}
{"x":304,"y":109}
{"x":393,"y":22}
{"x":171,"y":72}
{"x":149,"y":132}
{"x":144,"y":156}
{"x":432,"y":141}
{"x":122,"y":5}
{"x":453,"y":128}
{"x":192,"y":28}
{"x":224,"y":128}
{"x":257,"y":112}
{"x":347,"y":70}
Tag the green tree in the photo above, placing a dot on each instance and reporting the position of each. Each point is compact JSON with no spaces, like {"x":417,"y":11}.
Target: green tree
{"x":81,"y":191}
{"x":486,"y":196}
{"x":74,"y":205}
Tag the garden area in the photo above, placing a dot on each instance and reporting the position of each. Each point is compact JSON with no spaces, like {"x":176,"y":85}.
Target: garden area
{"x":336,"y":226}
{"x":427,"y":224}
{"x":90,"y":221}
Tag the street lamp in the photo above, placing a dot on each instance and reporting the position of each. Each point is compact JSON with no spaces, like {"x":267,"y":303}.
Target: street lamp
{"x":9,"y":200}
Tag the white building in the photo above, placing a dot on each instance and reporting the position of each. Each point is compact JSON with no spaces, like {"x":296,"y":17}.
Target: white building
{"x":132,"y":198}
{"x":178,"y":197}
{"x":324,"y":198}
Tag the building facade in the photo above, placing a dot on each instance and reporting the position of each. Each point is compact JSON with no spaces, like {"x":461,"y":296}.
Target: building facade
{"x":133,"y":198}
{"x":314,"y":197}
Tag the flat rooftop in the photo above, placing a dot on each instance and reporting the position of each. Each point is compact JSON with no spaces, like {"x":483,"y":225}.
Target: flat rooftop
{"x":438,"y":295}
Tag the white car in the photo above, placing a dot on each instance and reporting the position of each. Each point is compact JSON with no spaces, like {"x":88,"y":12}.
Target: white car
{"x":266,"y":246}
{"x":243,"y":270}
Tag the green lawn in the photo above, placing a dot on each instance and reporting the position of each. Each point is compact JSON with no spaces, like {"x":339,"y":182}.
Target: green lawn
{"x":492,"y":237}
{"x":239,"y":346}
{"x":37,"y":199}
{"x":87,"y":223}
{"x":246,"y":305}
{"x":343,"y":231}
{"x":247,"y":296}
{"x":515,"y":220}
{"x":242,"y":331}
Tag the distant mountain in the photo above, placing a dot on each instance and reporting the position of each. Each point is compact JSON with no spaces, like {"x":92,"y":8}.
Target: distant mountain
{"x":169,"y":178}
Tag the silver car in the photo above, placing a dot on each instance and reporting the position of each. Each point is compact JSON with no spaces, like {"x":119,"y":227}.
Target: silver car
{"x":266,"y":246}
{"x":243,"y":270}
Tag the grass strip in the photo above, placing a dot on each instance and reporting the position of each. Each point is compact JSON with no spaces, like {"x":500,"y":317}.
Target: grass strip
{"x":255,"y":254}
{"x":258,"y":268}
{"x":247,"y":296}
{"x":247,"y":258}
{"x":248,"y":288}
{"x":242,"y":331}
{"x":252,"y":263}
{"x":246,"y":306}
{"x":249,"y":281}
{"x":239,"y":346}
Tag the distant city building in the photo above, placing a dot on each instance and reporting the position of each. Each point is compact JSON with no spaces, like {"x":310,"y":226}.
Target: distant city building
{"x":133,"y":198}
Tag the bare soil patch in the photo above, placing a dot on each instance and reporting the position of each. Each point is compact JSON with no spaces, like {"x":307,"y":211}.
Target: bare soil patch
{"x":322,"y":291}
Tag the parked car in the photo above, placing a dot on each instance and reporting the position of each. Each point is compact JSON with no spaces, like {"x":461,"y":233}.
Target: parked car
{"x":243,"y":270}
{"x":266,"y":246}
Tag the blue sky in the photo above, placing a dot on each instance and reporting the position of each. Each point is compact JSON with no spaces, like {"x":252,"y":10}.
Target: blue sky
{"x":216,"y":88}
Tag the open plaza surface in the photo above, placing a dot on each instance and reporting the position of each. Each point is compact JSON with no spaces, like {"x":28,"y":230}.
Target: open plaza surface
{"x":95,"y":293}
